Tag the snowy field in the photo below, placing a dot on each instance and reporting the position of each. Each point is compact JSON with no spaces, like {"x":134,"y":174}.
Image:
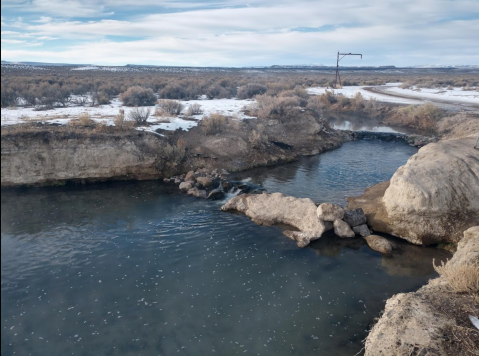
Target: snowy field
{"x":106,"y":113}
{"x":392,"y":93}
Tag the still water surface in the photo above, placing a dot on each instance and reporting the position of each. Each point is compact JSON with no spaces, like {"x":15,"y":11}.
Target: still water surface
{"x":137,"y":269}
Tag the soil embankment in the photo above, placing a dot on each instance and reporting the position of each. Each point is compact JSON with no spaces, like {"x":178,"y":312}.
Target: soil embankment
{"x":435,"y":319}
{"x":46,"y":155}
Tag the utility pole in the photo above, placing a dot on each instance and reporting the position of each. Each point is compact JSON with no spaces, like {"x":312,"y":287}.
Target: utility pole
{"x":338,"y":78}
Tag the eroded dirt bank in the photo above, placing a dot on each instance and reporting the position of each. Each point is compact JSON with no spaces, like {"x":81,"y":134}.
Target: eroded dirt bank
{"x":45,"y":155}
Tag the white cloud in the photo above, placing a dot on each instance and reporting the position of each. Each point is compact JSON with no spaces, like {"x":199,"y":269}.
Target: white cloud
{"x":264,"y":33}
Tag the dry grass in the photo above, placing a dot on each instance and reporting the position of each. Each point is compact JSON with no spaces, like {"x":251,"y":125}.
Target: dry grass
{"x":84,"y":119}
{"x":258,"y":139}
{"x":461,"y":278}
{"x":213,"y":124}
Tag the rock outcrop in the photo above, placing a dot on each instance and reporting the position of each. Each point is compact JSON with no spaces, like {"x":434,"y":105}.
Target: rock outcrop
{"x":276,"y":208}
{"x":431,"y":199}
{"x":417,"y":323}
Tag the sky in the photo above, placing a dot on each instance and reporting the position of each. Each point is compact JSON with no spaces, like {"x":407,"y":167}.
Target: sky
{"x":234,"y":33}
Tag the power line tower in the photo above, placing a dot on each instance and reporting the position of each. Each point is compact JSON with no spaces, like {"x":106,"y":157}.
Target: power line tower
{"x":338,"y":78}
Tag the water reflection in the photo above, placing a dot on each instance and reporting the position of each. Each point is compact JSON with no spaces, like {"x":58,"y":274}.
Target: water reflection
{"x":334,"y":175}
{"x":355,"y":122}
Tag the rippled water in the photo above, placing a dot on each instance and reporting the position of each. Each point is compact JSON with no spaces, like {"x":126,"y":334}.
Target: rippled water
{"x":137,"y":269}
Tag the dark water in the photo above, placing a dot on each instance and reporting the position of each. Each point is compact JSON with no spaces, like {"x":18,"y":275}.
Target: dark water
{"x":134,"y":269}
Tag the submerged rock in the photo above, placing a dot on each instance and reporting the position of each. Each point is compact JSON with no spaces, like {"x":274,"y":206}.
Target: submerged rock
{"x":342,"y":229}
{"x":216,"y":195}
{"x":197,"y":193}
{"x":379,"y":244}
{"x":276,"y":208}
{"x":330,"y":212}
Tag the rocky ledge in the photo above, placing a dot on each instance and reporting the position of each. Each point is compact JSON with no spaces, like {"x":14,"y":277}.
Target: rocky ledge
{"x":435,"y":319}
{"x":433,"y":198}
{"x":309,"y":220}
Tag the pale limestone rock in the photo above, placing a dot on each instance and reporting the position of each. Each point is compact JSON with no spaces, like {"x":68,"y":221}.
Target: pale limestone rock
{"x":204,"y":182}
{"x":330,"y":212}
{"x":379,"y":244}
{"x":342,"y":229}
{"x":190,"y":176}
{"x":433,"y":198}
{"x":186,"y":186}
{"x":276,"y":208}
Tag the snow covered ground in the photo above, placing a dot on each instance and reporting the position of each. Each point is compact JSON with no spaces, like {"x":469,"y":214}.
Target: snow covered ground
{"x":351,"y":91}
{"x":392,"y":93}
{"x":106,"y":114}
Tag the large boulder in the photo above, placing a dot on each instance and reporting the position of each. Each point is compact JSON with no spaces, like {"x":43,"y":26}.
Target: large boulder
{"x":276,"y":208}
{"x":342,"y":229}
{"x":330,"y":212}
{"x":433,"y":198}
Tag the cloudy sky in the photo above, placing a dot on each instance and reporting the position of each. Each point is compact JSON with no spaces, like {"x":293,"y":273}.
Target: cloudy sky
{"x":241,"y":33}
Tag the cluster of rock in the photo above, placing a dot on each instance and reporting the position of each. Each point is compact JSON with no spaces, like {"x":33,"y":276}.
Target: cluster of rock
{"x":305,"y":216}
{"x":211,"y":185}
{"x":353,"y":222}
{"x":203,"y":183}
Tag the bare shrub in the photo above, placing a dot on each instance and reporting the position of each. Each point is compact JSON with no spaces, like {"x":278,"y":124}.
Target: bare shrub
{"x":213,"y":124}
{"x":258,"y":139}
{"x":194,"y":109}
{"x":138,"y":96}
{"x":171,"y":107}
{"x":175,"y":91}
{"x":172,"y":154}
{"x":422,"y":117}
{"x":280,"y":108}
{"x":139,"y":115}
{"x":250,"y":90}
{"x":461,"y":278}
